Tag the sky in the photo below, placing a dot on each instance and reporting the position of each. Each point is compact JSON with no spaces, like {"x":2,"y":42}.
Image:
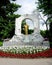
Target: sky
{"x":27,"y":7}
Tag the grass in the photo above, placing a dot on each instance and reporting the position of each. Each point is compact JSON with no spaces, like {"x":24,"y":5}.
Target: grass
{"x":1,"y":43}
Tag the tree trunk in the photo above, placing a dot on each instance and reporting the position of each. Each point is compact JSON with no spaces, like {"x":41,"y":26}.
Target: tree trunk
{"x":50,"y":35}
{"x":46,"y":26}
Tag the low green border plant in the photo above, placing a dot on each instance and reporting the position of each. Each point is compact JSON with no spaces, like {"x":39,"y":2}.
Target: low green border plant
{"x":1,"y":43}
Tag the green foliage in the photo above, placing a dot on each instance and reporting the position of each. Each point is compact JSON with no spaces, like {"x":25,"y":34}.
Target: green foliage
{"x":44,"y":33}
{"x":7,"y":18}
{"x":30,"y":31}
{"x":11,"y":8}
{"x":22,"y":26}
{"x":45,"y":6}
{"x":1,"y":43}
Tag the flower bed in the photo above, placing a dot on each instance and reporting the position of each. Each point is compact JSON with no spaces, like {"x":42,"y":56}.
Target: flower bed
{"x":30,"y":54}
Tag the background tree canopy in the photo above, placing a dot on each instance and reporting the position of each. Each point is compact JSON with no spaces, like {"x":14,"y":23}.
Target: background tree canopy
{"x":45,"y":6}
{"x":7,"y":18}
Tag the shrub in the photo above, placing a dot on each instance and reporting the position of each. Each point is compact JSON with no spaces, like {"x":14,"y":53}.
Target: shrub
{"x":1,"y":43}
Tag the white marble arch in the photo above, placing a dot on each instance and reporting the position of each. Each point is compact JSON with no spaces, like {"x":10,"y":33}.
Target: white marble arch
{"x":32,"y":17}
{"x":34,"y":39}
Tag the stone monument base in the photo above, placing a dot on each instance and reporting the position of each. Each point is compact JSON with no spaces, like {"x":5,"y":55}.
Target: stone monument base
{"x":33,"y":40}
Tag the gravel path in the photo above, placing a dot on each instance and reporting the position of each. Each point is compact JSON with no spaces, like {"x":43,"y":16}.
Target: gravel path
{"x":15,"y":61}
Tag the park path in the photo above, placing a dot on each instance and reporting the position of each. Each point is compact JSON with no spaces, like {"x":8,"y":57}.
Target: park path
{"x":15,"y":61}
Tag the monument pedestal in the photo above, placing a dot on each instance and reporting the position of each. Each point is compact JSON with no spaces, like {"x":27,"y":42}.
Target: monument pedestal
{"x":29,"y":40}
{"x":26,"y":39}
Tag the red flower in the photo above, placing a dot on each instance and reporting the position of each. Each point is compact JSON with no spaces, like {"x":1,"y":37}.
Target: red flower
{"x":47,"y":53}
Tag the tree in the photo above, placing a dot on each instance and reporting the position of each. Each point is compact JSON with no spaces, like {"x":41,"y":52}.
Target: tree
{"x":22,"y":26}
{"x":3,"y":4}
{"x":45,"y":6}
{"x":44,"y":21}
{"x":7,"y":18}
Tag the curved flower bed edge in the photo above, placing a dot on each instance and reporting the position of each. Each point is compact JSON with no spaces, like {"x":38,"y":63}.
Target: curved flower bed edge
{"x":45,"y":53}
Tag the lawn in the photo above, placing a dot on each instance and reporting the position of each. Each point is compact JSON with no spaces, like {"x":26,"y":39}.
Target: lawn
{"x":1,"y":43}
